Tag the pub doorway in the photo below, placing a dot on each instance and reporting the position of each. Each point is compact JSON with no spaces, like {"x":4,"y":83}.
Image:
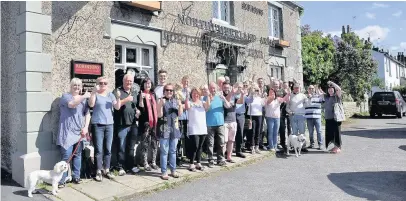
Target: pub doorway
{"x":227,"y":62}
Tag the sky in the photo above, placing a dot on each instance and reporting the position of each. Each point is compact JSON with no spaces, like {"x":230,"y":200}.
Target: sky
{"x":383,"y":21}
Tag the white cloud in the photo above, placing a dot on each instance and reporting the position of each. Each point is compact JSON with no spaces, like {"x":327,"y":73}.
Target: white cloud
{"x":370,"y":15}
{"x":375,"y":32}
{"x":397,"y":14}
{"x":394,"y":48}
{"x":403,"y":45}
{"x":379,"y":5}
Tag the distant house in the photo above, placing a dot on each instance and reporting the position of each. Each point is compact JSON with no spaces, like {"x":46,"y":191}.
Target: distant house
{"x":391,"y":70}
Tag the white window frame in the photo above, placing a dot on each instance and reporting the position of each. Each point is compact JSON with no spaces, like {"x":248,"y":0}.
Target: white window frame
{"x":218,"y":17}
{"x":138,"y":65}
{"x":276,"y":70}
{"x":271,"y":21}
{"x":397,"y":72}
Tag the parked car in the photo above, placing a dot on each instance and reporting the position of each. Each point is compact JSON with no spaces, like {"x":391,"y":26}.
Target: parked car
{"x":388,"y":102}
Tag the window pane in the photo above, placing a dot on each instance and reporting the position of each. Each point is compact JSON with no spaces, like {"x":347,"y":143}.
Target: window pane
{"x":224,"y":10}
{"x":145,"y":57}
{"x":131,"y":55}
{"x":118,"y":55}
{"x":277,"y":73}
{"x":216,"y":9}
{"x":275,"y":27}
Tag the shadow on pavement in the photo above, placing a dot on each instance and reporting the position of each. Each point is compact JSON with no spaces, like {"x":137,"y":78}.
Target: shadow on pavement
{"x":390,"y":133}
{"x":372,"y":185}
{"x":376,"y":117}
{"x":402,"y":147}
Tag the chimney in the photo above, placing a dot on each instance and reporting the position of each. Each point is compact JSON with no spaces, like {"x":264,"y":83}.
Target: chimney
{"x":369,"y":39}
{"x":399,"y":57}
{"x":348,"y":28}
{"x":343,"y":29}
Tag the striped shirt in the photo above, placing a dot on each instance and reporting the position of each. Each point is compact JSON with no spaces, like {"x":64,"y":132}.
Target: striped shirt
{"x":313,"y":106}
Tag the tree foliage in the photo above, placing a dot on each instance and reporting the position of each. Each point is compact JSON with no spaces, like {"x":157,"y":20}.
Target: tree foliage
{"x":354,"y":67}
{"x":317,"y":56}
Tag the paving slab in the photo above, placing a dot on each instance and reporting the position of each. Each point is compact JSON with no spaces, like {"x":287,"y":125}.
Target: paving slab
{"x":68,"y":193}
{"x":136,"y":182}
{"x":102,"y":190}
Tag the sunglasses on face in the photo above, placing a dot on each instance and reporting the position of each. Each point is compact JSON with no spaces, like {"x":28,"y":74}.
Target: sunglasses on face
{"x":169,"y":90}
{"x":256,"y":90}
{"x":103,"y":83}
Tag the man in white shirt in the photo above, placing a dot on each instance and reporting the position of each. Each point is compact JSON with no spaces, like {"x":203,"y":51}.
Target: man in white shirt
{"x":296,"y":110}
{"x":313,"y":114}
{"x":162,"y":76}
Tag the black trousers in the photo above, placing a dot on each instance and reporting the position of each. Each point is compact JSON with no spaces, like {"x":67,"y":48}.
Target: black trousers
{"x":195,"y":147}
{"x":284,"y":125}
{"x":262,"y":133}
{"x":333,"y":132}
{"x":239,"y":138}
{"x":256,"y":129}
{"x":182,"y":144}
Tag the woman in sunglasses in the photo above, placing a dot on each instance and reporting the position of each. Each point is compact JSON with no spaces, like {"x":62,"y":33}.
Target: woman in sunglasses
{"x":255,"y":102}
{"x":169,"y":110}
{"x":102,"y":101}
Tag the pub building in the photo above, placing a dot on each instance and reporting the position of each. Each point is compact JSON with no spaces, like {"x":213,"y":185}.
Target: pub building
{"x":45,"y":44}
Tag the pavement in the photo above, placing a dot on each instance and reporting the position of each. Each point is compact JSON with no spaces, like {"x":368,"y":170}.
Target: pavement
{"x":370,"y":167}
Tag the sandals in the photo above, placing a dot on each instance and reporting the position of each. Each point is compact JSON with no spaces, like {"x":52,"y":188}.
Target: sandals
{"x":192,"y":169}
{"x":164,"y":177}
{"x":201,"y":168}
{"x":174,"y":175}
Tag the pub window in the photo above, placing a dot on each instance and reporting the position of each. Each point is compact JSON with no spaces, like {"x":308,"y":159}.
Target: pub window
{"x":274,"y":21}
{"x":140,"y":57}
{"x":222,"y":10}
{"x":276,"y":72}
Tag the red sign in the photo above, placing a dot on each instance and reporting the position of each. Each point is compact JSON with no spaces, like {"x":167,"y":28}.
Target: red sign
{"x":88,"y":69}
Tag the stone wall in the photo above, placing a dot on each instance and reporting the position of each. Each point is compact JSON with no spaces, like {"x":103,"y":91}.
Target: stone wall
{"x":351,"y":108}
{"x":9,"y":82}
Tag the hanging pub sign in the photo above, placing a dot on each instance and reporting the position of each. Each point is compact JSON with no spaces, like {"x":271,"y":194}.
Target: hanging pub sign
{"x":88,"y":72}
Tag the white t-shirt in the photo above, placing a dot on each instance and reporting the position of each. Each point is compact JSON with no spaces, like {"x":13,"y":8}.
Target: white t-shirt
{"x":273,"y":109}
{"x":255,"y":108}
{"x":197,"y":119}
{"x":159,"y":91}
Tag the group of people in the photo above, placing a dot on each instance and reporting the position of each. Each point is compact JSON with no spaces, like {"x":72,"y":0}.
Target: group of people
{"x":218,"y":119}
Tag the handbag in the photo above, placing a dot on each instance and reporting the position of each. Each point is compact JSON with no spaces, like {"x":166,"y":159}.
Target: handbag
{"x":339,"y":114}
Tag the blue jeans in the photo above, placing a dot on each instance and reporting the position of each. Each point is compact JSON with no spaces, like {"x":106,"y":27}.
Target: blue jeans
{"x":311,"y":123}
{"x":76,"y":160}
{"x":102,"y":139}
{"x":126,"y":141}
{"x":298,"y":124}
{"x":273,"y":128}
{"x":168,"y":146}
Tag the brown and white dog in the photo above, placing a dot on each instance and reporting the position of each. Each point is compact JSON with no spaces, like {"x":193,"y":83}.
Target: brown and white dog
{"x":47,"y":176}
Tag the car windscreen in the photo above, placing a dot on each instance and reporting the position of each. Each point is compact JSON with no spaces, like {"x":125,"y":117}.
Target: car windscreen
{"x":384,"y":96}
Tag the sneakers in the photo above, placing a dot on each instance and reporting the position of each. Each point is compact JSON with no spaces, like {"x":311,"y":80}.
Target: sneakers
{"x":252,"y":150}
{"x":147,"y":168}
{"x":240,"y":154}
{"x":135,"y":170}
{"x":221,"y":163}
{"x":311,"y":146}
{"x":109,"y":175}
{"x":210,"y":164}
{"x":99,"y":176}
{"x":121,"y":172}
{"x":272,"y":150}
{"x":76,"y":181}
{"x":257,"y":150}
{"x":154,"y":166}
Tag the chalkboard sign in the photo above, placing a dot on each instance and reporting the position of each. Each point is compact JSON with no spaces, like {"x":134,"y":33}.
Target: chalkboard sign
{"x":88,"y":72}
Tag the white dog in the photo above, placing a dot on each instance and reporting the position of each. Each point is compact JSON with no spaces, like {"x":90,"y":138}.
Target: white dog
{"x":47,"y":176}
{"x":297,"y":142}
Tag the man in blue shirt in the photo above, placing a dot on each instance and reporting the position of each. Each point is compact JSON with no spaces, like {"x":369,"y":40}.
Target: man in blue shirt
{"x":215,"y":124}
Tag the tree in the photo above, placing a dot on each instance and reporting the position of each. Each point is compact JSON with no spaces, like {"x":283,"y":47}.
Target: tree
{"x":317,"y":56}
{"x":354,"y":67}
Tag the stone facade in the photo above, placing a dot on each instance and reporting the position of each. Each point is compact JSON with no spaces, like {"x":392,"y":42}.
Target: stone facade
{"x":43,"y":37}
